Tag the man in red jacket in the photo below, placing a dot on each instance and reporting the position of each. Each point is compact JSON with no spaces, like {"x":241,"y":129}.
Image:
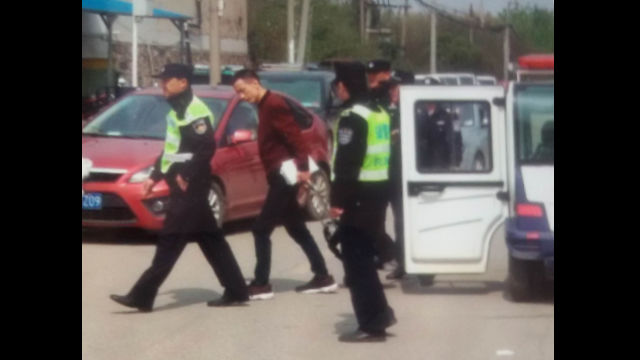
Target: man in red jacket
{"x":280,"y":139}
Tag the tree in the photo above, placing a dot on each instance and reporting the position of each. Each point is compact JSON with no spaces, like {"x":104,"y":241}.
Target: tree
{"x":532,"y":24}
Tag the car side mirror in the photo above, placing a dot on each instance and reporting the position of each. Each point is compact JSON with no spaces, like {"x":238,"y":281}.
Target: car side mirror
{"x":241,"y":136}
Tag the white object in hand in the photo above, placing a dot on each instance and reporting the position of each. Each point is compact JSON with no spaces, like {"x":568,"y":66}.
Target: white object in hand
{"x":289,"y":170}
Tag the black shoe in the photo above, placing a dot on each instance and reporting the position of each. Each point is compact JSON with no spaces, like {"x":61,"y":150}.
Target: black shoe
{"x":319,"y":284}
{"x":128,"y":302}
{"x":260,"y":292}
{"x":360,"y":336}
{"x":225,"y":301}
{"x":396,"y":274}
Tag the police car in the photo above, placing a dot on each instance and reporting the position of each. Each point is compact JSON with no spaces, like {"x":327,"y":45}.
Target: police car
{"x":452,"y":209}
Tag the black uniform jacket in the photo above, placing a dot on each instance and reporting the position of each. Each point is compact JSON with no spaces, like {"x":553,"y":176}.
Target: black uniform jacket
{"x":364,"y":203}
{"x":189,"y":211}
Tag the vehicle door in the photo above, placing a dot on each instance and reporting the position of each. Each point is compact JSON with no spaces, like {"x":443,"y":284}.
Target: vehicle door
{"x":239,"y":163}
{"x":451,"y":208}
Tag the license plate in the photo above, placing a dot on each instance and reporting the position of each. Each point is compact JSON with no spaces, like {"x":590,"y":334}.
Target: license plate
{"x":92,"y":201}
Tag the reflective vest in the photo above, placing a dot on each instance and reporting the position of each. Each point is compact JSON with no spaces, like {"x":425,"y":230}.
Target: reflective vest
{"x":196,"y":110}
{"x":375,"y":166}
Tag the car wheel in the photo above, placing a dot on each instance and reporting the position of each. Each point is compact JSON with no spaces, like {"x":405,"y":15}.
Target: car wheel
{"x":426,"y":280}
{"x":216,"y":203}
{"x":318,"y":201}
{"x":524,"y":278}
{"x":479,"y":163}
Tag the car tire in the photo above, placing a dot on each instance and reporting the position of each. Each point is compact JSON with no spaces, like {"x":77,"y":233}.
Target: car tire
{"x":525,"y":276}
{"x":426,"y":280}
{"x":217,"y":203}
{"x":318,"y":201}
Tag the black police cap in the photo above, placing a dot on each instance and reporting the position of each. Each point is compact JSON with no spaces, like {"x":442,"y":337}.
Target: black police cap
{"x":352,"y":75}
{"x":375,"y":66}
{"x":180,"y":71}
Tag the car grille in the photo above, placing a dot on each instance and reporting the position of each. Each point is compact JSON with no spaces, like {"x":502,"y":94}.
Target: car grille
{"x":102,"y":177}
{"x":113,"y":209}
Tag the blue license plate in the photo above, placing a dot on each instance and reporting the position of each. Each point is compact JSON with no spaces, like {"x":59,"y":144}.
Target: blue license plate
{"x":92,"y":201}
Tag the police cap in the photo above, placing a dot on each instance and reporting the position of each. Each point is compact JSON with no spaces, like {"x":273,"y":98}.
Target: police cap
{"x":375,"y":66}
{"x":173,"y":70}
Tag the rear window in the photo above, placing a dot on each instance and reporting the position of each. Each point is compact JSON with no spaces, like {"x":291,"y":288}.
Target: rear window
{"x":307,"y":91}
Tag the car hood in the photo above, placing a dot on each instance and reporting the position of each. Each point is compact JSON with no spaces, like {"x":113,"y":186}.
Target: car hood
{"x":120,"y":153}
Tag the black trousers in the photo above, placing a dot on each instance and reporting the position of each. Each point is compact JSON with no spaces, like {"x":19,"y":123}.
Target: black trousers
{"x":367,"y":295}
{"x":281,"y":206}
{"x":190,"y":217}
{"x":396,"y":208}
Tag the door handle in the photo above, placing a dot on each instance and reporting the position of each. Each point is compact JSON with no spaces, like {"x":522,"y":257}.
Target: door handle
{"x":417,"y":189}
{"x":503,"y":195}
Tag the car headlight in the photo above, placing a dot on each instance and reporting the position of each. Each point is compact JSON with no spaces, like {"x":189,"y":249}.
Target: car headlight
{"x":141,"y":175}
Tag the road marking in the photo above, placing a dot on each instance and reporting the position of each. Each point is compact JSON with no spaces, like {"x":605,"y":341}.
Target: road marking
{"x":505,"y":352}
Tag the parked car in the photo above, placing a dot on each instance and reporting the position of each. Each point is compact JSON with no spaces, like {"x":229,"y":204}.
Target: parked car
{"x":447,"y":79}
{"x":124,"y":141}
{"x":486,"y":80}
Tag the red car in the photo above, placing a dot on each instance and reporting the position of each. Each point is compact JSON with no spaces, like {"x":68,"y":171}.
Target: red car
{"x":124,"y":141}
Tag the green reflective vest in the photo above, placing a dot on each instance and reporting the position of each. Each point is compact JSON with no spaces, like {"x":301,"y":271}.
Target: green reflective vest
{"x":375,"y":166}
{"x":196,"y":110}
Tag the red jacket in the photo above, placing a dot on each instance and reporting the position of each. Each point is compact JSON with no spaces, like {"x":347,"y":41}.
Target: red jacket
{"x":279,"y":136}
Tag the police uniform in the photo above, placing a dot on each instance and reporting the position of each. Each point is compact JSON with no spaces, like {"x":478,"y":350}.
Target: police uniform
{"x":189,"y":147}
{"x":359,"y":187}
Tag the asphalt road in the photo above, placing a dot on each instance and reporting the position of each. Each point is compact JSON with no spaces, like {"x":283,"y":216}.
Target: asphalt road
{"x":462,"y":317}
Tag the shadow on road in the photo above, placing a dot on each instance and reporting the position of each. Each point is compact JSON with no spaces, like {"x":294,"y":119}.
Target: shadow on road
{"x":181,"y":298}
{"x":346,"y":325}
{"x":126,"y":236}
{"x":411,"y":286}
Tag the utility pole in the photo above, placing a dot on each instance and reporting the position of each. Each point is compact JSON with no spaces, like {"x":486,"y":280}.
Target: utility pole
{"x":290,"y":32}
{"x":403,"y":36}
{"x":134,"y":51}
{"x":362,"y":22}
{"x":506,"y":53}
{"x":302,"y":38}
{"x":214,"y":41}
{"x":433,"y":41}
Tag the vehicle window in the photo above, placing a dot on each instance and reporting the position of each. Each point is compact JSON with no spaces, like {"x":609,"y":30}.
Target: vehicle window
{"x":307,"y":91}
{"x":217,"y":107}
{"x":138,"y":116}
{"x":243,"y":117}
{"x":466,"y":81}
{"x":449,"y":81}
{"x":534,"y":108}
{"x":450,"y":137}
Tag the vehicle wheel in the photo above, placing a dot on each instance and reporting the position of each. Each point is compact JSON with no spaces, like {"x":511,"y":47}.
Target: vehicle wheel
{"x":318,"y":201}
{"x":426,"y":280}
{"x":479,"y":164}
{"x":524,"y":278}
{"x":216,"y":203}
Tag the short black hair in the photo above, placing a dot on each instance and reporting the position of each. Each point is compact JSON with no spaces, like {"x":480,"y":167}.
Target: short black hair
{"x":245,"y":74}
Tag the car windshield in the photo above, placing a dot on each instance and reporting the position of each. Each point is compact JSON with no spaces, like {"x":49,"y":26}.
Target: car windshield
{"x":141,"y":116}
{"x":534,"y":123}
{"x":307,"y":91}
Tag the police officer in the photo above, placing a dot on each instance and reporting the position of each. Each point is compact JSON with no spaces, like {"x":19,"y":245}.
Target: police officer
{"x":359,"y":198}
{"x":185,"y":166}
{"x":378,"y":79}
